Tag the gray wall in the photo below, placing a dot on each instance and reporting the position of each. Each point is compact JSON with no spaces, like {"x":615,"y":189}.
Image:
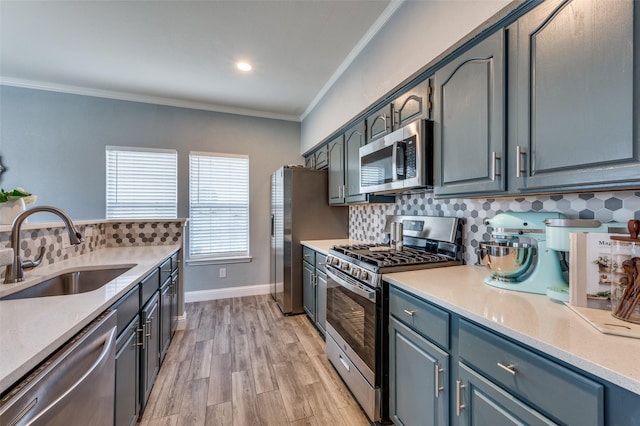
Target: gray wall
{"x":416,"y":33}
{"x":53,"y":145}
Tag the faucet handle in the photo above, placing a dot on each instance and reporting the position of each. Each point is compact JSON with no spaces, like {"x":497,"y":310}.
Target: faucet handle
{"x":30,"y":264}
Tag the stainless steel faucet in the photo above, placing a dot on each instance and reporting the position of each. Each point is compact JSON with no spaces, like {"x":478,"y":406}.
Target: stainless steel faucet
{"x":15,"y":271}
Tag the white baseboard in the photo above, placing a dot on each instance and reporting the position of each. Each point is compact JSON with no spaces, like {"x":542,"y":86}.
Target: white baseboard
{"x":226,"y":293}
{"x":182,"y":322}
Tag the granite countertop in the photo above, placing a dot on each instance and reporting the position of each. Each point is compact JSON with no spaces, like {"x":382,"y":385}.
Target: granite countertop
{"x":31,"y":329}
{"x":532,"y":319}
{"x":323,"y":246}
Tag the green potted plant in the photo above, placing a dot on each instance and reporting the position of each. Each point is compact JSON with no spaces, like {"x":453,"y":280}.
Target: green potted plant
{"x":12,"y":203}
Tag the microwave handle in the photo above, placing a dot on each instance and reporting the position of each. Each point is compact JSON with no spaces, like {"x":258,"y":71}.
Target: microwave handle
{"x":398,"y":169}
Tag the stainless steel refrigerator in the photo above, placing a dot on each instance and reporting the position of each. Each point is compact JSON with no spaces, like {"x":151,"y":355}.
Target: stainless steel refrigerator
{"x":299,"y":211}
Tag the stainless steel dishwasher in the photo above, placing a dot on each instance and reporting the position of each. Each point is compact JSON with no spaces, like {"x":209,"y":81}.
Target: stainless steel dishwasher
{"x":75,"y":386}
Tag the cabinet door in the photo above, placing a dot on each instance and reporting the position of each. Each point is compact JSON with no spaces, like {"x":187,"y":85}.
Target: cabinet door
{"x":336,"y":170}
{"x":412,"y":105}
{"x":174,"y":302}
{"x":127,"y":403}
{"x":379,"y":123}
{"x":577,"y":71}
{"x":469,"y":131}
{"x":354,"y":138}
{"x":321,"y":158}
{"x":321,"y":300}
{"x":418,"y":379}
{"x":165,"y":318}
{"x":309,"y":161}
{"x":309,"y":290}
{"x":480,"y":402}
{"x":151,"y":349}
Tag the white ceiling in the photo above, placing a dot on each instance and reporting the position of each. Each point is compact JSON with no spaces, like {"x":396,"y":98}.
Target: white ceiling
{"x":183,"y":52}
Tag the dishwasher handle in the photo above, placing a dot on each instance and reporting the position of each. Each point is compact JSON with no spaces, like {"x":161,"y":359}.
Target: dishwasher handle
{"x":38,"y":400}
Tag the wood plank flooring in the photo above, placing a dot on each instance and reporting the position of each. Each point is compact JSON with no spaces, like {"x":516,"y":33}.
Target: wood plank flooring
{"x":241,"y":362}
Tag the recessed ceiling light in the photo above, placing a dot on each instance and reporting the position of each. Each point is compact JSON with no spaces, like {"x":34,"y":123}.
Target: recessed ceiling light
{"x":243,"y":66}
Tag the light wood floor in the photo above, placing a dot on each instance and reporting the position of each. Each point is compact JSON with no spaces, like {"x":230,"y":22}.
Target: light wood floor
{"x":241,"y":362}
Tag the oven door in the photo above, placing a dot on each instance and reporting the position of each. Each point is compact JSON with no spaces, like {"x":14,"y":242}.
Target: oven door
{"x":352,"y":315}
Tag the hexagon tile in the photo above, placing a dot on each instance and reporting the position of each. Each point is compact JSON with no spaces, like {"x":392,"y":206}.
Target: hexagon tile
{"x":366,"y":222}
{"x":103,"y":235}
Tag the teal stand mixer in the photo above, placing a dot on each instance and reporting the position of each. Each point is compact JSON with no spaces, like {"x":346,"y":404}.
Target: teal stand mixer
{"x":519,"y":258}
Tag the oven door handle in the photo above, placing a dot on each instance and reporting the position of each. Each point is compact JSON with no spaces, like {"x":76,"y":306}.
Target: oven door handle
{"x":369,"y":295}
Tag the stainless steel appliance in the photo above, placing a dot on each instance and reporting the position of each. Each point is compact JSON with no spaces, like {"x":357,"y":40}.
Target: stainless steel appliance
{"x":356,"y":300}
{"x":75,"y":386}
{"x":299,"y":211}
{"x":399,"y":161}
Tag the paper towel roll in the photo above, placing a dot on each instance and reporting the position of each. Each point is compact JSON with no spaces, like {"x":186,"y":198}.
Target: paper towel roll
{"x":6,"y":256}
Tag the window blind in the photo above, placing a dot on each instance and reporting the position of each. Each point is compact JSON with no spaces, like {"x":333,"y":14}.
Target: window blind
{"x":218,"y":205}
{"x":141,"y":183}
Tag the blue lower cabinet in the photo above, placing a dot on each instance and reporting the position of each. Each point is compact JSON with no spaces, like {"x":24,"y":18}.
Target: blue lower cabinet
{"x":418,"y":379}
{"x":445,"y":369}
{"x":562,"y":394}
{"x":480,"y":402}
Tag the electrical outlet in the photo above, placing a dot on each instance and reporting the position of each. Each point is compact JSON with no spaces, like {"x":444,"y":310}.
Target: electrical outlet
{"x":223,"y":272}
{"x":88,"y":231}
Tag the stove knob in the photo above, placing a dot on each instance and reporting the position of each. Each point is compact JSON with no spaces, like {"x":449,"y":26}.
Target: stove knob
{"x":345,"y":266}
{"x":356,"y":272}
{"x":364,"y":275}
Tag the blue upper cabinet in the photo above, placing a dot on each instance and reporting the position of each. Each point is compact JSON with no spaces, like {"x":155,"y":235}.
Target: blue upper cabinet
{"x":470,"y":114}
{"x":574,"y":75}
{"x":354,"y":138}
{"x":551,"y":103}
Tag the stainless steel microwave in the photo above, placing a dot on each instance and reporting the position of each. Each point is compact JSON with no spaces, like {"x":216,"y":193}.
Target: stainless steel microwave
{"x":399,"y":161}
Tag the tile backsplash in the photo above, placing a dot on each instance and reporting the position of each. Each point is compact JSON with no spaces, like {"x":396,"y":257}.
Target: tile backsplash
{"x":366,"y":222}
{"x":95,"y":236}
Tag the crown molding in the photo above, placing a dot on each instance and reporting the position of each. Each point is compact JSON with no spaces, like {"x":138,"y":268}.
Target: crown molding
{"x":132,"y":97}
{"x":359,"y":47}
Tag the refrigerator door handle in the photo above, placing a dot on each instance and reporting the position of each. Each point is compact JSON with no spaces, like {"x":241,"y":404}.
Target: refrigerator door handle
{"x":273,"y":224}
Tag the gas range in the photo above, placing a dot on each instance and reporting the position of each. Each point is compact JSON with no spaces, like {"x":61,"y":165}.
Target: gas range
{"x":429,"y":242}
{"x":357,"y":305}
{"x":367,"y":262}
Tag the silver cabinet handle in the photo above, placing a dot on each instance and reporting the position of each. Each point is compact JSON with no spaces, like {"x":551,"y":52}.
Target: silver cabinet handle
{"x":148,"y":323}
{"x":494,"y":166}
{"x":438,"y":387}
{"x":511,"y":369}
{"x":344,"y":363}
{"x":459,"y":405}
{"x":142,"y":334}
{"x":520,"y":154}
{"x":408,"y":312}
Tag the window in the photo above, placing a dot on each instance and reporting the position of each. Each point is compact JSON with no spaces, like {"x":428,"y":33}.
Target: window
{"x":218,"y":206}
{"x":141,"y":183}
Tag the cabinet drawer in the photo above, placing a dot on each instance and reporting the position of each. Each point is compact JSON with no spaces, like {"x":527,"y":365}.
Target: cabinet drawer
{"x":126,"y":308}
{"x":149,"y":286}
{"x":165,"y":270}
{"x":174,"y":261}
{"x":321,"y":262}
{"x":423,"y":317}
{"x":309,"y":255}
{"x":553,"y":389}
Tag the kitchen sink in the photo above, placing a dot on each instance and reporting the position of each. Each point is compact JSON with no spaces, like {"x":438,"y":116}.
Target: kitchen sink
{"x":72,"y":282}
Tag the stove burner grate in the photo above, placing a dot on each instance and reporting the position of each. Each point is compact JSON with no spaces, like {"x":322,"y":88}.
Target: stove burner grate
{"x":407,"y":256}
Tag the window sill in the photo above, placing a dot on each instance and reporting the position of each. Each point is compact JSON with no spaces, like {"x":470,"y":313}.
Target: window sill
{"x":218,"y":260}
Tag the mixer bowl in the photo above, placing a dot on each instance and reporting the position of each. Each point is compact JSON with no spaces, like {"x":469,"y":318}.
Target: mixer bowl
{"x":507,"y":260}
